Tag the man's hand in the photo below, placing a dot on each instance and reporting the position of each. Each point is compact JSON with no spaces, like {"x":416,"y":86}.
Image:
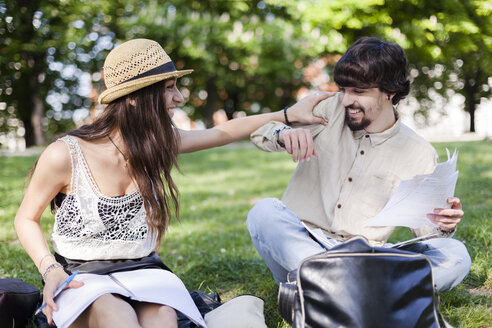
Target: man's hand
{"x":299,"y":143}
{"x":302,"y":111}
{"x":448,"y":218}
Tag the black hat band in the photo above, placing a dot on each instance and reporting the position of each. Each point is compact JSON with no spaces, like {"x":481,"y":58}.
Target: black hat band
{"x":165,"y":68}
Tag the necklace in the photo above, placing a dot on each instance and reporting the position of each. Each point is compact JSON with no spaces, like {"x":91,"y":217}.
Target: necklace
{"x":126,"y":159}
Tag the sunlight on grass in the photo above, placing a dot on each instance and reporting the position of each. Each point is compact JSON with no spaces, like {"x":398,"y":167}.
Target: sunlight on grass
{"x":210,"y":248}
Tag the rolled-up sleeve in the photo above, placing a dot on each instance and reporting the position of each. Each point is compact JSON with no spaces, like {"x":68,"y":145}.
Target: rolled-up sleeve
{"x":265,"y":137}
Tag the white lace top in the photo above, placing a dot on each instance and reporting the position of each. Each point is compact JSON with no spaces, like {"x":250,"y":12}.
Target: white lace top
{"x":91,"y":226}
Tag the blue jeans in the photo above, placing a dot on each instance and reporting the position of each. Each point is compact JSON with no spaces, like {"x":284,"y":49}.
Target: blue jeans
{"x":283,"y":242}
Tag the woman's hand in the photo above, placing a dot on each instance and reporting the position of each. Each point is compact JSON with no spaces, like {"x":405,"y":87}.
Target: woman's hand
{"x":302,"y":111}
{"x":54,"y":279}
{"x":240,"y":128}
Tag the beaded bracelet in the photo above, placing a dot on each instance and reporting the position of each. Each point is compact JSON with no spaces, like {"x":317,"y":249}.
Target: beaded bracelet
{"x":49,"y":268}
{"x":285,"y":116}
{"x":42,"y":259}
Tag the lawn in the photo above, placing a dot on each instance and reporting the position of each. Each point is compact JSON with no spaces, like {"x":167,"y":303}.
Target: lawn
{"x":210,"y":248}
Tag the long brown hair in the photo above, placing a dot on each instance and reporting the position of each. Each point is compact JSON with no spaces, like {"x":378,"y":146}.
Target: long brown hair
{"x":151,"y":144}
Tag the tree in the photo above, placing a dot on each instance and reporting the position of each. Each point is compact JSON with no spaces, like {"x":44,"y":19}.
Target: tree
{"x":448,"y":42}
{"x":449,"y":45}
{"x":46,"y":46}
{"x":246,"y":54}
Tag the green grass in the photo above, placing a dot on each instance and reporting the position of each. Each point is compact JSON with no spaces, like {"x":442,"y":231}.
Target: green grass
{"x":210,"y":249}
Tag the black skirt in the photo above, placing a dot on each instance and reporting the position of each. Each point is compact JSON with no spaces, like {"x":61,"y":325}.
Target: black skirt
{"x":151,"y":261}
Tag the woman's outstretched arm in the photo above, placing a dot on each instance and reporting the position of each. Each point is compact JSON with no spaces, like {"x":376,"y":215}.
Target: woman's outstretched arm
{"x":240,"y":128}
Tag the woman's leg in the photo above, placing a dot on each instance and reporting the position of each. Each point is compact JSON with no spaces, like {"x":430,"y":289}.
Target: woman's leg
{"x":108,"y":311}
{"x":155,"y":315}
{"x":111,"y":310}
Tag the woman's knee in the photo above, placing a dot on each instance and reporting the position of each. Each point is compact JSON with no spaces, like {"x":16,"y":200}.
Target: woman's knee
{"x":108,"y":310}
{"x":156,"y":315}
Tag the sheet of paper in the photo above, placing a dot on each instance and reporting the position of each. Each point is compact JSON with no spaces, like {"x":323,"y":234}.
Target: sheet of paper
{"x":320,"y":237}
{"x":73,"y":301}
{"x":414,"y":240}
{"x":414,"y":198}
{"x":150,"y":285}
{"x":170,"y":291}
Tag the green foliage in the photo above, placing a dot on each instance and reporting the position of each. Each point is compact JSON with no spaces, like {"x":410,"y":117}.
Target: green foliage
{"x":242,"y":52}
{"x":247,"y":55}
{"x":447,"y":42}
{"x":210,"y":248}
{"x":47,"y":45}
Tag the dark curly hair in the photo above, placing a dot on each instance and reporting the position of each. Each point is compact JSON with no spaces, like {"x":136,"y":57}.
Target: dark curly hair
{"x":372,"y":63}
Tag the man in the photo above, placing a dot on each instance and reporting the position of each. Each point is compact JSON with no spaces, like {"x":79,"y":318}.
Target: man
{"x":363,"y":152}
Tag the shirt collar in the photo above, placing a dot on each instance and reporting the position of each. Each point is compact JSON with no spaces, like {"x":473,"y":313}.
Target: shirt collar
{"x":380,"y":137}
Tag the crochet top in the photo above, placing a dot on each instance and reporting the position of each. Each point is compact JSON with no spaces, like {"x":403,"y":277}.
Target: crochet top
{"x":91,"y":226}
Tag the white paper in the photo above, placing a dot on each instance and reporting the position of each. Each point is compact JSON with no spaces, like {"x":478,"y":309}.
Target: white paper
{"x":414,"y":198}
{"x":149,"y":285}
{"x":319,"y":236}
{"x":413,"y":240}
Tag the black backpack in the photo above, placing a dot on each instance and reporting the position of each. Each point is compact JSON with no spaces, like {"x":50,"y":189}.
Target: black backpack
{"x":356,"y":285}
{"x":18,"y":301}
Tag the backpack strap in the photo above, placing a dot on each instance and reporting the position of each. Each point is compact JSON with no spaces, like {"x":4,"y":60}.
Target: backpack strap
{"x":286,"y":297}
{"x":441,"y":321}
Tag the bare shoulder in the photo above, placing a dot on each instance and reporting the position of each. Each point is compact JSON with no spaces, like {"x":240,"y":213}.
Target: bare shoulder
{"x":56,"y":158}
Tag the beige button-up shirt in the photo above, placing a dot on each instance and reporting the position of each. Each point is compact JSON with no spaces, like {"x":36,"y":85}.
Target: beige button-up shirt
{"x":354,"y":175}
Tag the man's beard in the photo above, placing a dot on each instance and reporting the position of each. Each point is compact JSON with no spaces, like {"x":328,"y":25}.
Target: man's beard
{"x":354,"y":126}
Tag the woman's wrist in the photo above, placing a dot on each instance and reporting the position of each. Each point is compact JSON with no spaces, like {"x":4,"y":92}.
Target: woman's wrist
{"x":282,"y":116}
{"x":50,"y":268}
{"x":47,"y":264}
{"x":286,"y":117}
{"x":43,"y":258}
{"x":277,"y":132}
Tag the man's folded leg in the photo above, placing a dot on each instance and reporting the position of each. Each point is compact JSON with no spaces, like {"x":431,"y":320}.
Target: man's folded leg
{"x":449,"y":257}
{"x":279,"y":237}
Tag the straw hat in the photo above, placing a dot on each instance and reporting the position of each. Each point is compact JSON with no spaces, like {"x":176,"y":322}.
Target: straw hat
{"x":134,"y":65}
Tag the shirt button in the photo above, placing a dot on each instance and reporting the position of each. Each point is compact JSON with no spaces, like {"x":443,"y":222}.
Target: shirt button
{"x":339,"y":205}
{"x":350,"y":179}
{"x":362,"y":152}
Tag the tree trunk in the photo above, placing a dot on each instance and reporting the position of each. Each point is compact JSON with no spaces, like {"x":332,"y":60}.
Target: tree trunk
{"x":231,"y":106}
{"x":211,"y":104}
{"x":471,"y":91}
{"x":286,"y":99}
{"x":37,"y":111}
{"x":29,"y":132}
{"x":471,"y":109}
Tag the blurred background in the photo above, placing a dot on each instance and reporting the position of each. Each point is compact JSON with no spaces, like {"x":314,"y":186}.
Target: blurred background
{"x":248,"y":56}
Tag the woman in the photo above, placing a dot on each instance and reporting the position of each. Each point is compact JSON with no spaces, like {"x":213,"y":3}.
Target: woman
{"x":111,"y":181}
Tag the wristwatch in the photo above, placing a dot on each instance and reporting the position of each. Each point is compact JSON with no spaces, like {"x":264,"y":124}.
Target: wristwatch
{"x":446,"y":233}
{"x":277,"y":136}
